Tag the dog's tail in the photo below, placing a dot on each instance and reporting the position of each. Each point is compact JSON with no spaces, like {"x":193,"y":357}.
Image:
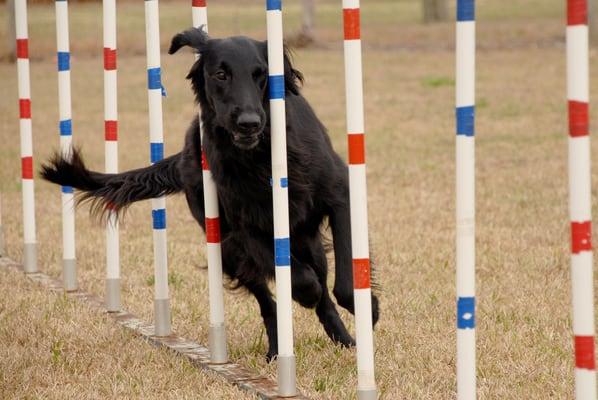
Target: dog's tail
{"x":113,"y":191}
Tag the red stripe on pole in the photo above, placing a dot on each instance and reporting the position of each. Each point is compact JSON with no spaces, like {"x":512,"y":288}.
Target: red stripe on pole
{"x":213,"y":230}
{"x":109,"y":59}
{"x":579,"y":121}
{"x":24,"y":108}
{"x":199,"y":3}
{"x":204,"y":161}
{"x":584,"y":352}
{"x":361,"y":273}
{"x":22,"y":48}
{"x":111,"y":130}
{"x":27,"y":167}
{"x":351,"y":23}
{"x":577,"y":12}
{"x":356,"y":148}
{"x":581,"y":236}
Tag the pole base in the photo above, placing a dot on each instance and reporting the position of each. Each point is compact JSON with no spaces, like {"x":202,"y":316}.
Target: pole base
{"x":112,"y":300}
{"x":69,"y":275}
{"x":287,"y":386}
{"x":162,"y":317}
{"x":217,"y":344}
{"x":368,"y":394}
{"x":30,"y":258}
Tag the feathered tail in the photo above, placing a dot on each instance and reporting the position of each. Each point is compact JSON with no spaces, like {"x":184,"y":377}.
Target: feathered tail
{"x":113,"y":191}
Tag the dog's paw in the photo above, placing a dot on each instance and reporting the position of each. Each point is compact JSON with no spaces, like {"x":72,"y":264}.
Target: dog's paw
{"x":271,"y":355}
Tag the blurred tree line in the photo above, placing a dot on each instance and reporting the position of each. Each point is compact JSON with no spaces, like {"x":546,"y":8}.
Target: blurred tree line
{"x":432,"y":11}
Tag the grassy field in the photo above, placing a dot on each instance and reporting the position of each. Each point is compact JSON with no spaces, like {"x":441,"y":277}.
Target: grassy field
{"x":524,"y":332}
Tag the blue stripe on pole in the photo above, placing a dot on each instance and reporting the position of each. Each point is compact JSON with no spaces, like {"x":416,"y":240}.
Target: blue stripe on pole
{"x":156,"y":152}
{"x":66,"y":128}
{"x":159,"y":218}
{"x":67,"y":189}
{"x":64,"y":61}
{"x":153,"y":78}
{"x":273,"y":5}
{"x":282,"y":252}
{"x":466,"y":120}
{"x":466,"y":313}
{"x":276,"y":87}
{"x":284,"y":182}
{"x":465,"y":10}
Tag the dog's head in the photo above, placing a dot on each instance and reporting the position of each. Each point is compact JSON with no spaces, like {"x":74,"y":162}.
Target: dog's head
{"x":231,"y":79}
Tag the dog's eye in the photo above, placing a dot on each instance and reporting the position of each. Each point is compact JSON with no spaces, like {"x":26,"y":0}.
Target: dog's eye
{"x":259,"y":75}
{"x":220,"y":75}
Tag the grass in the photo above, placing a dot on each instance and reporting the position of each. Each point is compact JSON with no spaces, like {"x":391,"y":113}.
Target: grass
{"x":524,"y":332}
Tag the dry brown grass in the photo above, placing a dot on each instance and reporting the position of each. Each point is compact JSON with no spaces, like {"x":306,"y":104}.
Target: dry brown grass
{"x":524,"y":334}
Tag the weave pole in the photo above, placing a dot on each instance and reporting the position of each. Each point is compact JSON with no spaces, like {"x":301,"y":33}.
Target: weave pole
{"x":69,"y":271}
{"x":580,"y":198}
{"x":217,"y":331}
{"x":30,"y":245}
{"x":112,"y":296}
{"x":362,"y":292}
{"x":465,"y":199}
{"x":156,"y":136}
{"x":280,"y":200}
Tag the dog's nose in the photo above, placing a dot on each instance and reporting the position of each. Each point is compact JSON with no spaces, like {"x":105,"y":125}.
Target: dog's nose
{"x":249,"y":121}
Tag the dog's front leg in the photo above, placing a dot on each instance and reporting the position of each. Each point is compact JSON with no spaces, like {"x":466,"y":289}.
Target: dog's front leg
{"x":268,"y":310}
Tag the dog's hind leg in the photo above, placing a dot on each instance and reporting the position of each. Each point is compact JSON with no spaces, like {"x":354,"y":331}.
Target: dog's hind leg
{"x":326,"y":310}
{"x":340,"y":223}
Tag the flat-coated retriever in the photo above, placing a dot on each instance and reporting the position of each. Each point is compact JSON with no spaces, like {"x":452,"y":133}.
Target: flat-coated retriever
{"x":230,"y":81}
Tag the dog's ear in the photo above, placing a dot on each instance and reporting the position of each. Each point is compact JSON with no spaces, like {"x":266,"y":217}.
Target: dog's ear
{"x":195,"y":38}
{"x":293,"y":78}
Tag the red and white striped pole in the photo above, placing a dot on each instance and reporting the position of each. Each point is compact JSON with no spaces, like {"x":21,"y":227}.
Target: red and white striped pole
{"x":30,"y":245}
{"x":364,"y":334}
{"x":217,"y":331}
{"x":580,"y":198}
{"x":69,"y":272}
{"x":112,"y":295}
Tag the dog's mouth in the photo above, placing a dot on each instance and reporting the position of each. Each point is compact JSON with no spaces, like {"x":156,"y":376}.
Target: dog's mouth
{"x":246,"y":142}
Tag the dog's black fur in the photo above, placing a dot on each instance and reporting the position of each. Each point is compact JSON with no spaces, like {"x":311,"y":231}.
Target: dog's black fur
{"x":230,"y":83}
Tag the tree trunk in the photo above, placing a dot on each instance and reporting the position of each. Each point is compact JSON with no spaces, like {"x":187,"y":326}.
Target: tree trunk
{"x":435,"y":10}
{"x":306,"y":35}
{"x":11,"y":34}
{"x":593,"y":22}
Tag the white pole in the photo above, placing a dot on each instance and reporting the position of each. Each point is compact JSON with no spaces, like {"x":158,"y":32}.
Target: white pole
{"x":217,"y":331}
{"x":69,"y":272}
{"x":465,"y":190}
{"x":580,"y":199}
{"x":156,"y":136}
{"x":362,"y":292}
{"x":30,"y":245}
{"x":282,"y":249}
{"x":112,"y":296}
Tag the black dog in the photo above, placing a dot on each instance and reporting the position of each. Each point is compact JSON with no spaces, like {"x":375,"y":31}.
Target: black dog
{"x":230,"y":81}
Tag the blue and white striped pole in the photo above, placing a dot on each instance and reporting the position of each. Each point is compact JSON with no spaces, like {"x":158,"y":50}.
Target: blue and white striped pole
{"x":154,"y":85}
{"x":282,"y":250}
{"x":69,"y":272}
{"x":217,"y":330}
{"x":465,"y":189}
